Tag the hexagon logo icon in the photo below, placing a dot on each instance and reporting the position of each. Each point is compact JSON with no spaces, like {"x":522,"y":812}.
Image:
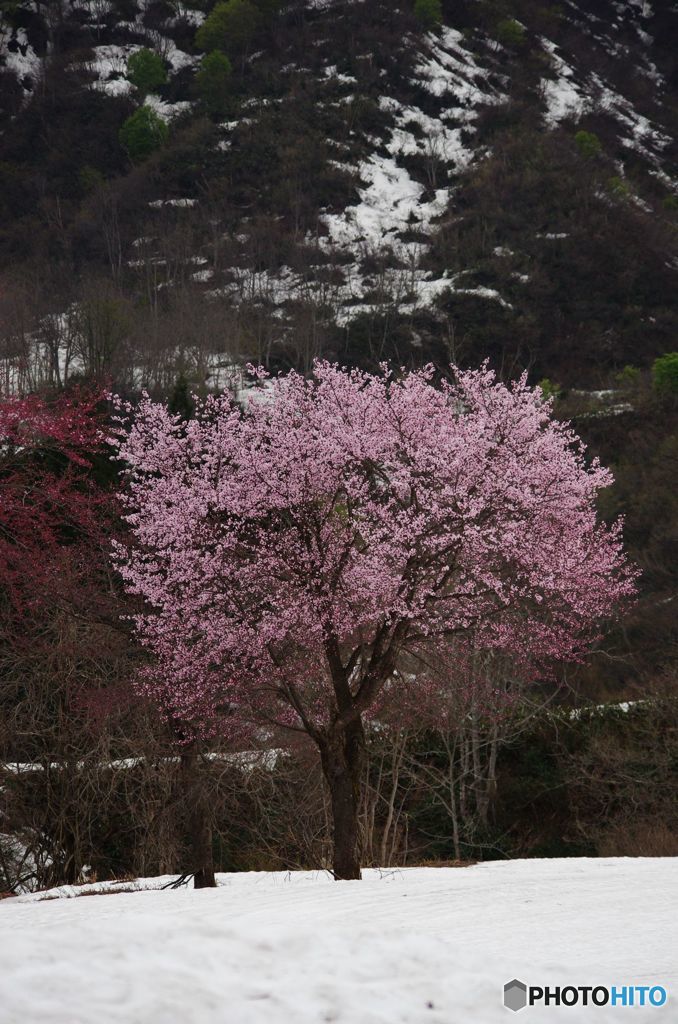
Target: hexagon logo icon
{"x":515,"y":995}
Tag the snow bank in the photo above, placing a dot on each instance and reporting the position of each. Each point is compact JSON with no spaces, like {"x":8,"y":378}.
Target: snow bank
{"x":389,"y":203}
{"x":22,"y":58}
{"x":562,"y":95}
{"x":168,"y":111}
{"x":402,"y":947}
{"x":448,"y":67}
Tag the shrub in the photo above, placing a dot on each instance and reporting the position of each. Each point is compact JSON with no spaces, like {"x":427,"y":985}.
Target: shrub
{"x":618,"y":187}
{"x":90,"y":179}
{"x":510,"y":32}
{"x":588,"y":144}
{"x":212,"y":82}
{"x":548,"y":388}
{"x":142,"y":133}
{"x":146,"y":71}
{"x":665,"y":375}
{"x":628,"y":378}
{"x":230,"y":27}
{"x":429,"y":13}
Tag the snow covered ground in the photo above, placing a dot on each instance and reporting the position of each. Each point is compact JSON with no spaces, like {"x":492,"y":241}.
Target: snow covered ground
{"x":419,"y":945}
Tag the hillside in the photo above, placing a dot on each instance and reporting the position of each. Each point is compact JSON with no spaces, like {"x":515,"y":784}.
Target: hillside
{"x":503,"y":186}
{"x":191,"y":186}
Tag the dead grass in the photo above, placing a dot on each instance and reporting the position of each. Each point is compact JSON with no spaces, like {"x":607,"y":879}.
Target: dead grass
{"x":647,"y":839}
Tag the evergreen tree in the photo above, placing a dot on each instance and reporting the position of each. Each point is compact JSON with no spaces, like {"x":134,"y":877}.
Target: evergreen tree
{"x":665,"y":375}
{"x":146,"y":71}
{"x":142,"y":133}
{"x":231,"y":27}
{"x":588,"y":144}
{"x":213,"y":82}
{"x":510,"y":33}
{"x":181,"y":400}
{"x":429,"y":13}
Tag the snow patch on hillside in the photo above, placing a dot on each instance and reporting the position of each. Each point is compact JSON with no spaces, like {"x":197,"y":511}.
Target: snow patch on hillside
{"x":448,"y":67}
{"x":642,"y":135}
{"x":570,"y":95}
{"x":167,"y":111}
{"x":562,"y":95}
{"x":392,"y":202}
{"x":434,"y":139}
{"x":18,"y":56}
{"x":109,"y":66}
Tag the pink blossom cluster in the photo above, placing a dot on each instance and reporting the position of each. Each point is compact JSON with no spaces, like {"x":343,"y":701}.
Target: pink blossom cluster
{"x":30,"y":423}
{"x":50,"y":508}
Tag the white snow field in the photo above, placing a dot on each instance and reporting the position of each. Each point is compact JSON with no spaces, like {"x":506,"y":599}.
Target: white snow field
{"x":429,"y":945}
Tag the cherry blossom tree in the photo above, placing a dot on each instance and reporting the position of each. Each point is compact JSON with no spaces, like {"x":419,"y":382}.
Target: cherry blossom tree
{"x":294,"y":554}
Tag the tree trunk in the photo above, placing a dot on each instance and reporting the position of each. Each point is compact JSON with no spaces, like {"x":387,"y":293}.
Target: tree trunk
{"x":199,"y":823}
{"x":342,"y":753}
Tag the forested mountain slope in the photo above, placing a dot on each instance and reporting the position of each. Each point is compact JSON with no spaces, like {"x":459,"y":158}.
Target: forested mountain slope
{"x":364,"y":184}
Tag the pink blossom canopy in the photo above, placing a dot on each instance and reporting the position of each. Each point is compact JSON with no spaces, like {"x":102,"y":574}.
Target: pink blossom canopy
{"x":346,"y":519}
